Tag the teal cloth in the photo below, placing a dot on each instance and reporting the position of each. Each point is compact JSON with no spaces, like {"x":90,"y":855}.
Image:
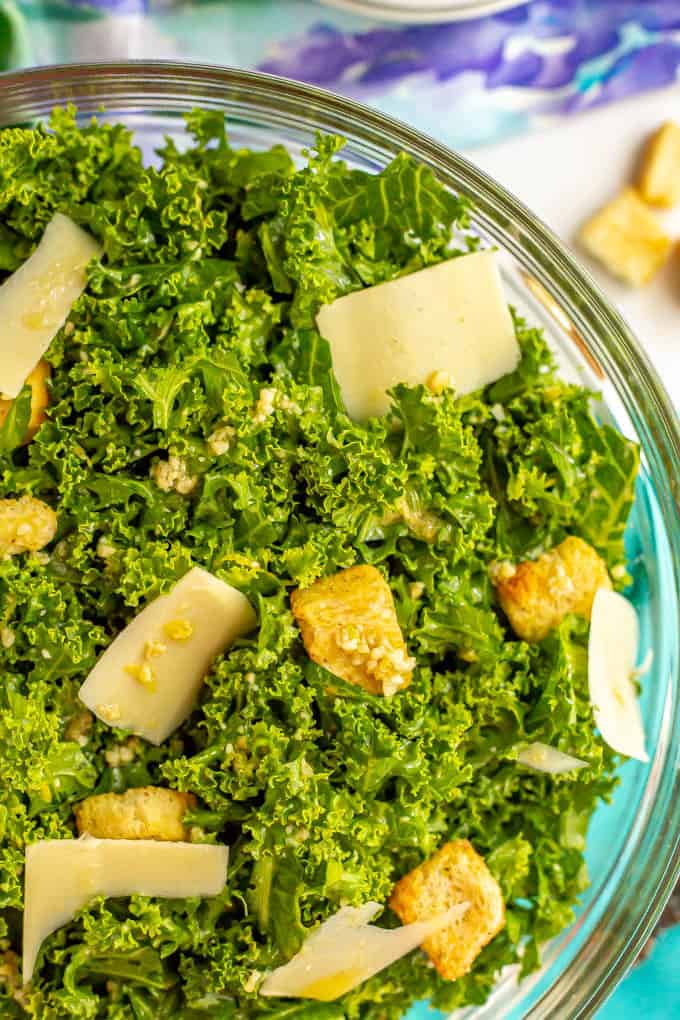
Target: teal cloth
{"x":652,"y":989}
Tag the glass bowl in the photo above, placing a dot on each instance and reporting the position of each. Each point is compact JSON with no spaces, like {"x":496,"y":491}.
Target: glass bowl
{"x":633,"y":847}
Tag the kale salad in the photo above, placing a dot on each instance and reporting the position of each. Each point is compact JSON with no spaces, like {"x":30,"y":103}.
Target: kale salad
{"x":415,"y":592}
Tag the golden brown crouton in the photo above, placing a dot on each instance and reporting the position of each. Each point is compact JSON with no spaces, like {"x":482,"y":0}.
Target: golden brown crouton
{"x":10,"y":977}
{"x":79,"y":726}
{"x":40,"y":398}
{"x":659,"y":181}
{"x":456,"y":874}
{"x":626,"y":237}
{"x":349,"y":626}
{"x":26,"y":525}
{"x":538,"y":594}
{"x":149,"y":812}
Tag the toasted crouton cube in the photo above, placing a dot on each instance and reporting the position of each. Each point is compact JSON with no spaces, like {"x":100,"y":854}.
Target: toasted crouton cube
{"x":26,"y":525}
{"x":10,"y":976}
{"x":627,"y":239}
{"x":659,"y":182}
{"x":538,"y":594}
{"x":37,"y":380}
{"x":456,"y":874}
{"x":149,"y":812}
{"x":349,"y":626}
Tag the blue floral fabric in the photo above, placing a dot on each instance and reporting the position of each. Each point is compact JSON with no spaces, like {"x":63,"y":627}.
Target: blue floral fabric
{"x":466,"y":83}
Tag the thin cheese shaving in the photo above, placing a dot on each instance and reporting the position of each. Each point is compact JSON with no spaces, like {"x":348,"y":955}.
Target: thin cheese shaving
{"x":149,"y":677}
{"x":544,"y":758}
{"x":63,"y":875}
{"x":36,"y":300}
{"x":444,"y":326}
{"x":612,"y":654}
{"x":347,"y":950}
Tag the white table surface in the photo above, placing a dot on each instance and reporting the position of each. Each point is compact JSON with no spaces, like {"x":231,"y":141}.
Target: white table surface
{"x":566,"y":171}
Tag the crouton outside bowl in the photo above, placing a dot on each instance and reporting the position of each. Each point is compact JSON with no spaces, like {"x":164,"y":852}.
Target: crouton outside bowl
{"x":633,"y":846}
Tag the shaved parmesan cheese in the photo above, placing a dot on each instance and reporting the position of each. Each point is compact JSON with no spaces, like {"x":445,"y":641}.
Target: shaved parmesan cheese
{"x":63,"y":875}
{"x":612,"y":654}
{"x":35,"y":300}
{"x":545,"y":758}
{"x":346,"y":950}
{"x":147,"y":680}
{"x":449,"y":321}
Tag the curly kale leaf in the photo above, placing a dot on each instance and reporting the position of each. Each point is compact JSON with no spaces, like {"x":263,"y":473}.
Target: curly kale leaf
{"x":195,"y":344}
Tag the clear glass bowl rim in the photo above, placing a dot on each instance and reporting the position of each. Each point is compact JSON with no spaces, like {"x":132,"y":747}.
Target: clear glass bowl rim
{"x":173,"y":87}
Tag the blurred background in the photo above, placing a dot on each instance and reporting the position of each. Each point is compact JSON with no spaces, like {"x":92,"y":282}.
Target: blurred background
{"x":554,"y":98}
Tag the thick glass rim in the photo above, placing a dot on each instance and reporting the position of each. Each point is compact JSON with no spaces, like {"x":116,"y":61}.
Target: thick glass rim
{"x":149,"y":87}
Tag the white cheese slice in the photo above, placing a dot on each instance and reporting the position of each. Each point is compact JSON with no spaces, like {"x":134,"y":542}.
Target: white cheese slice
{"x":544,"y":758}
{"x":612,"y":654}
{"x":35,"y":301}
{"x":63,"y":875}
{"x":148,"y":678}
{"x":346,"y":950}
{"x":451,"y":319}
